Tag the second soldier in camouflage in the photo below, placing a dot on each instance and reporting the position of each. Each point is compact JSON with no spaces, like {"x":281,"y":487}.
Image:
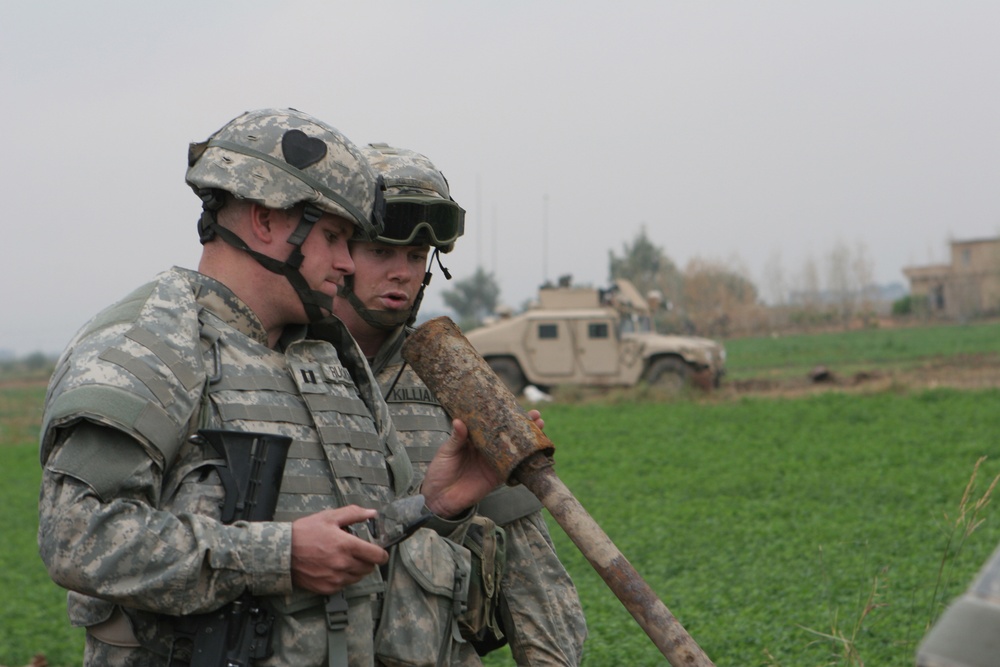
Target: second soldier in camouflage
{"x":534,"y":605}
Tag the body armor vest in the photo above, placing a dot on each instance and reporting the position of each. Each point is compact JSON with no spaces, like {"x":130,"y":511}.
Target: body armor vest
{"x":182,"y":353}
{"x":338,"y":456}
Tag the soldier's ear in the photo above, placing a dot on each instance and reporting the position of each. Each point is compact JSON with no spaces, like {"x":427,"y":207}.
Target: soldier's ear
{"x":262,"y":223}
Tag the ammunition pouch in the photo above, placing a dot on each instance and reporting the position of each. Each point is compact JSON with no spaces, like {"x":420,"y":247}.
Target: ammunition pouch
{"x":426,"y":592}
{"x":480,"y":625}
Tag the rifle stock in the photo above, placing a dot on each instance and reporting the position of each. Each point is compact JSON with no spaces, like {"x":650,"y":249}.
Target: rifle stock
{"x":239,"y":633}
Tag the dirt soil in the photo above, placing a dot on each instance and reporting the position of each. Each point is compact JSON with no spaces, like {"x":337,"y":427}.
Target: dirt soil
{"x":979,"y":371}
{"x":974,"y":371}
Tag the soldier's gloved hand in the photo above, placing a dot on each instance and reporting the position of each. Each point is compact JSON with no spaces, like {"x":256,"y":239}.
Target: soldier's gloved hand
{"x":326,"y":557}
{"x":459,"y":476}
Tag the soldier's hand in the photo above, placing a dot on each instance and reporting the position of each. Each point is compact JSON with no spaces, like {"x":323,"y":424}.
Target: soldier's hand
{"x":326,"y":557}
{"x":459,"y":476}
{"x":536,"y":416}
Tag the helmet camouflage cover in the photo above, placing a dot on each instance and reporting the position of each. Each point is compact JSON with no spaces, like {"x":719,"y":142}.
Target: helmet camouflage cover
{"x":282,"y":157}
{"x":419,"y":207}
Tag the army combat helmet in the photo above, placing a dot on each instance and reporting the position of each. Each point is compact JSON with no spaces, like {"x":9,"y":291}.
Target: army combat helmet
{"x":280,"y":158}
{"x":419,"y":211}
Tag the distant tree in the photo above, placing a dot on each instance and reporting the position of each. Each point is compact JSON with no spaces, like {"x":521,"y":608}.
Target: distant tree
{"x":647,"y":267}
{"x":37,"y":361}
{"x":840,"y":284}
{"x":717,"y":293}
{"x":774,"y":280}
{"x":850,"y":281}
{"x":473,"y":298}
{"x":863,"y":268}
{"x":809,"y":294}
{"x":910,"y":305}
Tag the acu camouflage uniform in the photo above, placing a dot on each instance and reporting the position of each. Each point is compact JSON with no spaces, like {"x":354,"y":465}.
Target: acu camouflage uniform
{"x":128,"y":510}
{"x":129,"y":515}
{"x":539,"y":609}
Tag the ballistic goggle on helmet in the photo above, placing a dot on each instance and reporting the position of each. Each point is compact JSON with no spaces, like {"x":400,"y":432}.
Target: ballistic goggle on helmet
{"x":419,"y":208}
{"x":282,"y":157}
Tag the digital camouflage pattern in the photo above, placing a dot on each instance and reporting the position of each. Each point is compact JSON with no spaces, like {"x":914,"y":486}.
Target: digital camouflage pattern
{"x":128,"y":515}
{"x":542,"y":616}
{"x":965,"y":635}
{"x":282,"y":157}
{"x":426,"y":570}
{"x":406,"y":172}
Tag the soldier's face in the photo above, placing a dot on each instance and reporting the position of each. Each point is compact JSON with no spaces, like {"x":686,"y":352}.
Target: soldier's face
{"x":388,"y":277}
{"x":326,"y":254}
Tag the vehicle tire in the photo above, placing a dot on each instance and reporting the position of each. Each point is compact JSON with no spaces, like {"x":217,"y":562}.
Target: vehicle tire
{"x":508,"y":370}
{"x":667,"y":373}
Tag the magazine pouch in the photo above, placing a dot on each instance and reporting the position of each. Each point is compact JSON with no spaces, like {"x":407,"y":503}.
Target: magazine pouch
{"x":426,"y":592}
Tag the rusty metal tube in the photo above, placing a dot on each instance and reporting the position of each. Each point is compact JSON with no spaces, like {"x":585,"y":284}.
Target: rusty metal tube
{"x":469,"y":390}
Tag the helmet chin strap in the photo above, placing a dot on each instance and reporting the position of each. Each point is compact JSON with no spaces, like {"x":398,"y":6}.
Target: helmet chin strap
{"x":387,"y":320}
{"x":383,"y":320}
{"x":313,"y":301}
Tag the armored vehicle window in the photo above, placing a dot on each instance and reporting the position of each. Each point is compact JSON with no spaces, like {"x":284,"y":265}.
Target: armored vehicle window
{"x":548,"y":331}
{"x":597,"y":330}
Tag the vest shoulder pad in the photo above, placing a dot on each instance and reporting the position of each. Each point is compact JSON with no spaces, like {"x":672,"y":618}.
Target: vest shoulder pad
{"x":137,"y":366}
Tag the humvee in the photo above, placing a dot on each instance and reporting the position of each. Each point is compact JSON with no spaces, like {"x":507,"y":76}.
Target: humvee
{"x":596,"y":337}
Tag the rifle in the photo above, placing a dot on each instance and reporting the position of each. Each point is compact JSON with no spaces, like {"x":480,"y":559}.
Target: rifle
{"x":239,"y":633}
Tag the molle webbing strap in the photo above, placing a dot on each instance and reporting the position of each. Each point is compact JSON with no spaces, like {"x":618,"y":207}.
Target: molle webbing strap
{"x":339,"y":435}
{"x":143,"y":371}
{"x":121,"y":408}
{"x":421,"y":423}
{"x":345,"y":405}
{"x":508,"y":503}
{"x":361,"y":500}
{"x":126,"y":310}
{"x":367,"y":474}
{"x":310,"y":451}
{"x":302,"y":484}
{"x":336,"y":333}
{"x":357,"y":439}
{"x":179,"y":367}
{"x":266,"y":413}
{"x":421,"y":454}
{"x":251,"y":382}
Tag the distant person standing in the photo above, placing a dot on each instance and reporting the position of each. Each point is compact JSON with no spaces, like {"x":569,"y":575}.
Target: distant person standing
{"x":132,"y":503}
{"x":536,"y":607}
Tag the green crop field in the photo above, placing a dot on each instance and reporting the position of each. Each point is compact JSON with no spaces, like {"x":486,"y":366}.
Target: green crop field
{"x":868,"y":349}
{"x":823,"y":530}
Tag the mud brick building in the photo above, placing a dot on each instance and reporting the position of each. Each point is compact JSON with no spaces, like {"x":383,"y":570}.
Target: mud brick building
{"x":967,"y":287}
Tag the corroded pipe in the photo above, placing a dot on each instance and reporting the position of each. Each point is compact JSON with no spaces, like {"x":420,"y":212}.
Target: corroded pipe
{"x":469,"y":390}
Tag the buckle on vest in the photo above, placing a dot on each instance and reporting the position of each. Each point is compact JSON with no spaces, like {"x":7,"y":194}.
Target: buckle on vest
{"x":336,"y":611}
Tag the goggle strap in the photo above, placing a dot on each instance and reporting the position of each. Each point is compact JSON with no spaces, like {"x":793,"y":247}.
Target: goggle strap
{"x":444,"y":269}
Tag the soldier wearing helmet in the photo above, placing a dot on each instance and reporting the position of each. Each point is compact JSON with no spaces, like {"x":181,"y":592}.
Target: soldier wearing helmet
{"x":535,"y":608}
{"x":131,"y":508}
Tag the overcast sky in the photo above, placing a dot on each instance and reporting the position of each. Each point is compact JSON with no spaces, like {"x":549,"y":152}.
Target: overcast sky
{"x":764,"y":133}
